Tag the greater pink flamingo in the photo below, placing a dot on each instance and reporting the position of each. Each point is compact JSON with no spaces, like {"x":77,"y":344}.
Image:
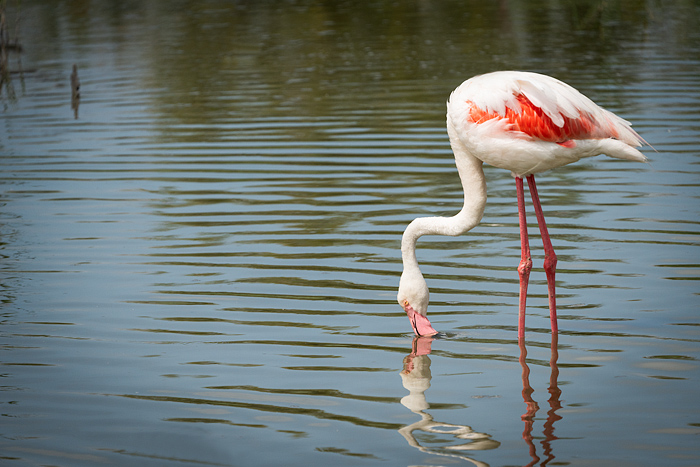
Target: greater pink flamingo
{"x":526,"y":123}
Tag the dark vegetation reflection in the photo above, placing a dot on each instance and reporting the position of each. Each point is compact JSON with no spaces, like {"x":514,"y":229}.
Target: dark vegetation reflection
{"x":310,"y":54}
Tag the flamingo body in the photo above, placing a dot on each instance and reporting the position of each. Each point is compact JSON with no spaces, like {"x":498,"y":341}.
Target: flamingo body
{"x":526,"y":123}
{"x":529,"y":123}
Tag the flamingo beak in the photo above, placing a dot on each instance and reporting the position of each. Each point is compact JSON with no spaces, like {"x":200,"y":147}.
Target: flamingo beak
{"x":420,"y":324}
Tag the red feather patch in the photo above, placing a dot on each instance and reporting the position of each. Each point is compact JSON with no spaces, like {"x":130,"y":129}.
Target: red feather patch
{"x":532,"y":121}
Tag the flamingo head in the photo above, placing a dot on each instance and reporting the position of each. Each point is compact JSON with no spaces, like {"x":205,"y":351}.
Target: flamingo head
{"x":413,"y":297}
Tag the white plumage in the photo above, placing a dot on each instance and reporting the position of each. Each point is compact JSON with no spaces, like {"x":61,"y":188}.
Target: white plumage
{"x":497,"y":143}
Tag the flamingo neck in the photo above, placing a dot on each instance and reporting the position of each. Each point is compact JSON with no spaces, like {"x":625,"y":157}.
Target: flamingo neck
{"x":471,"y":174}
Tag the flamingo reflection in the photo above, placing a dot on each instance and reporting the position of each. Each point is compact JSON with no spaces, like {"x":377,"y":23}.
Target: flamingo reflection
{"x":532,"y":407}
{"x":416,"y":378}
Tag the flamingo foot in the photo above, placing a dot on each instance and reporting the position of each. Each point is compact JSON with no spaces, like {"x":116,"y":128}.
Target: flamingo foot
{"x":420,"y":324}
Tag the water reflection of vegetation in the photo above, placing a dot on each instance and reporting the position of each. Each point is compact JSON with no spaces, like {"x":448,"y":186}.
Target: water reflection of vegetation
{"x":303,"y":57}
{"x":8,"y":44}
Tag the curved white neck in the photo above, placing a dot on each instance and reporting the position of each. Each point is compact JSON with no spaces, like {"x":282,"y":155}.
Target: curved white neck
{"x":471,"y":174}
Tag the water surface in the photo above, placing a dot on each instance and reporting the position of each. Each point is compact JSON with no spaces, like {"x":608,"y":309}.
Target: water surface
{"x":199,"y":265}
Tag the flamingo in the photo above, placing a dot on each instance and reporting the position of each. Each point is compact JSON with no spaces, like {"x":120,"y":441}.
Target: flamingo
{"x":526,"y":123}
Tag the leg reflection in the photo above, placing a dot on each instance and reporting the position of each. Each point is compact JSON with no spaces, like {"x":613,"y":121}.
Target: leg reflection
{"x":416,"y":379}
{"x":554,"y":402}
{"x":531,"y":405}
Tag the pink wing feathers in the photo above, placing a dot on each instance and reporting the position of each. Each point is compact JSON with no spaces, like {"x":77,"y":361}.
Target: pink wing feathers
{"x":533,"y":121}
{"x":543,"y":108}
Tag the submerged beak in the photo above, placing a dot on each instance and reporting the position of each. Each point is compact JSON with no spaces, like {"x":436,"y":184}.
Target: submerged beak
{"x":421,"y":324}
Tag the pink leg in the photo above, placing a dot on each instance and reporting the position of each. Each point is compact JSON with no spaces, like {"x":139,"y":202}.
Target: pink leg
{"x":525,"y":260}
{"x":550,"y":258}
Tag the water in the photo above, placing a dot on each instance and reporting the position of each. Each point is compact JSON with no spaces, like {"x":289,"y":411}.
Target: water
{"x":201,"y":268}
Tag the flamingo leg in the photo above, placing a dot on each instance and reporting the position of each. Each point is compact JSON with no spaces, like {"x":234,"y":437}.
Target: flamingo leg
{"x":525,"y":260}
{"x":550,"y":258}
